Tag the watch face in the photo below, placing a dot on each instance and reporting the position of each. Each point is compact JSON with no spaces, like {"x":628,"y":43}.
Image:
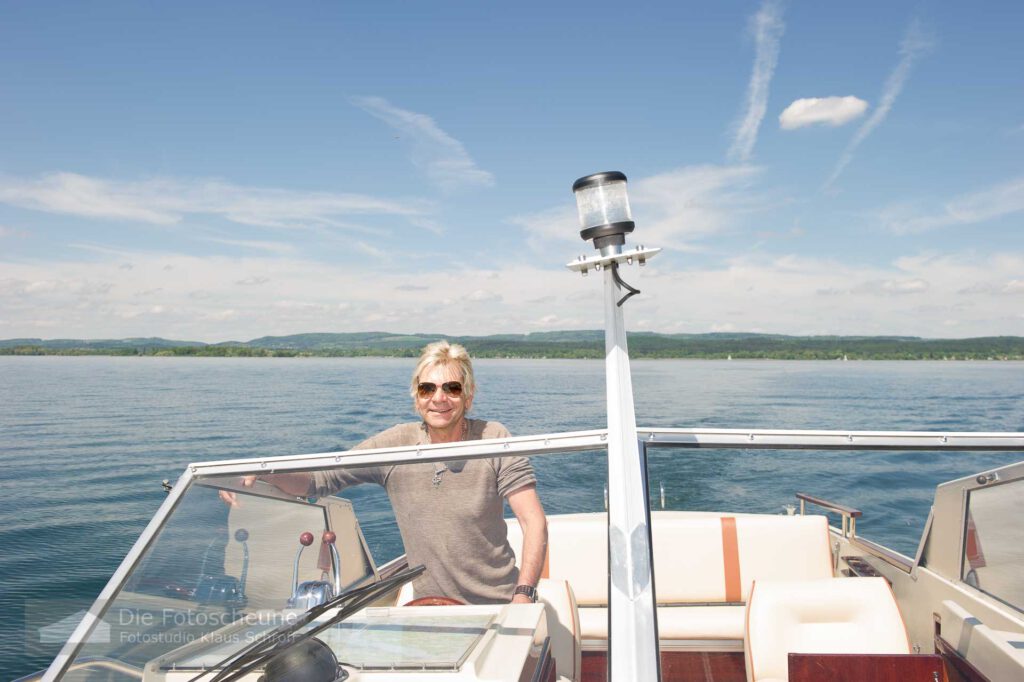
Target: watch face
{"x":527,"y":590}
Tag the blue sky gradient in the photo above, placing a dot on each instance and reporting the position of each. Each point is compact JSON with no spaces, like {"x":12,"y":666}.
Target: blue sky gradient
{"x":217,"y":171}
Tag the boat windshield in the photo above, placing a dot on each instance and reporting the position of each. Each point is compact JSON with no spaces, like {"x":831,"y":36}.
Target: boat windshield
{"x":225,"y":563}
{"x":219,"y":568}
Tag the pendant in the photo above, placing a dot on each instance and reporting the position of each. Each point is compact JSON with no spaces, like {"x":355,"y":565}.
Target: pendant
{"x":437,"y":474}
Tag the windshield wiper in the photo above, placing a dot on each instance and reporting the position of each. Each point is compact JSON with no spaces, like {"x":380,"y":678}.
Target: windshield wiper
{"x":280,"y":638}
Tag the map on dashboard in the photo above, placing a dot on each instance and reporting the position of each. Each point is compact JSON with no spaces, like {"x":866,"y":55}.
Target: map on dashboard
{"x":391,"y":640}
{"x":381,"y":638}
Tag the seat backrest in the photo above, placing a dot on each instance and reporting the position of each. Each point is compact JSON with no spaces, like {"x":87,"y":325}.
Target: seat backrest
{"x":563,"y":626}
{"x":698,"y":558}
{"x":577,"y":553}
{"x":782,"y":548}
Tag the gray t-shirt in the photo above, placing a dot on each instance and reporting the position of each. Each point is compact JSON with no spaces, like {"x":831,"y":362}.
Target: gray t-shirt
{"x":455,"y":528}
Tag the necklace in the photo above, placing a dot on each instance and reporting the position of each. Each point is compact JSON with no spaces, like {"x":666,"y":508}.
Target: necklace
{"x":441,"y":467}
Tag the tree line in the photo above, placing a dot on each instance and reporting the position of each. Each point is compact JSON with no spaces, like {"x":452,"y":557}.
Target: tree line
{"x":644,"y":346}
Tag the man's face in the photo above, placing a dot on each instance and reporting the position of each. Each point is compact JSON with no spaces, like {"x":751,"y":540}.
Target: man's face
{"x":442,"y":411}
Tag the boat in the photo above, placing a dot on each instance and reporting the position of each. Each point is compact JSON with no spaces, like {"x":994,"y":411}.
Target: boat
{"x":278,"y":588}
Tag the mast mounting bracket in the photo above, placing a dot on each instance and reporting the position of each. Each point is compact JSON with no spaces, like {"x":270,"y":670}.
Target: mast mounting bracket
{"x":641,"y":254}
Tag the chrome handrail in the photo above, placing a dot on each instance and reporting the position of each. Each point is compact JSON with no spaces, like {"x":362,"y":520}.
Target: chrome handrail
{"x":816,"y":439}
{"x":849,"y":514}
{"x":849,"y":531}
{"x":658,"y":437}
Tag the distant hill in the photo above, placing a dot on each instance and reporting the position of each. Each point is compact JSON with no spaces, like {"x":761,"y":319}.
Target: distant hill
{"x":99,"y":344}
{"x":555,"y":344}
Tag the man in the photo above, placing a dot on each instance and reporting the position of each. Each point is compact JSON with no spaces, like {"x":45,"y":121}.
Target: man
{"x":450,"y":514}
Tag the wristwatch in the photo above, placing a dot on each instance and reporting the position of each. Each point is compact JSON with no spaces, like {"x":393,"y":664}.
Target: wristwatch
{"x":529,"y":590}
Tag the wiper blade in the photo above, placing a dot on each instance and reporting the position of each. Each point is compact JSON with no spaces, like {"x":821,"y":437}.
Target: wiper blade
{"x":280,"y":638}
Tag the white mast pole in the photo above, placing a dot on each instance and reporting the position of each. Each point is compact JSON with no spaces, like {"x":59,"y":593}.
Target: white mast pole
{"x":632,"y":625}
{"x":606,"y":219}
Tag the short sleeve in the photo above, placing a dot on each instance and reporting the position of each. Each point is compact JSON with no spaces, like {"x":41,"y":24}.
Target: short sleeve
{"x":513,"y":473}
{"x":329,"y":482}
{"x":326,"y":483}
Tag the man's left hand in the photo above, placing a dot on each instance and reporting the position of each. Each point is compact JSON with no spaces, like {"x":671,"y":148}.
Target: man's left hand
{"x":521,"y":599}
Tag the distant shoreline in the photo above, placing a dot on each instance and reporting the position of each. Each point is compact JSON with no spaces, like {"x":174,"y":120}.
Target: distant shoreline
{"x":633,"y":356}
{"x":565,"y":345}
{"x":565,"y":354}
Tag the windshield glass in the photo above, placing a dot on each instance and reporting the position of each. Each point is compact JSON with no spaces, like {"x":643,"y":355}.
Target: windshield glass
{"x":993,"y":548}
{"x":238,"y":558}
{"x":216,"y":567}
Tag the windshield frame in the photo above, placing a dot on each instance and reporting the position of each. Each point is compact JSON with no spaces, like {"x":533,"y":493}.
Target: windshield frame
{"x":545,"y":444}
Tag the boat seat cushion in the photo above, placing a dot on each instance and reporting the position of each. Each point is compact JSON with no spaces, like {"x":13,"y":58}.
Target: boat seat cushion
{"x":854,"y":615}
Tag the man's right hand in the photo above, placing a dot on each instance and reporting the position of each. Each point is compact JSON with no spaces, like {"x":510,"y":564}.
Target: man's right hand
{"x":231,"y":499}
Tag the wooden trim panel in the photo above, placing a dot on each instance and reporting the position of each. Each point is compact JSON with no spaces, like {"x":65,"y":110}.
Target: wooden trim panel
{"x":858,"y":667}
{"x":677,"y":666}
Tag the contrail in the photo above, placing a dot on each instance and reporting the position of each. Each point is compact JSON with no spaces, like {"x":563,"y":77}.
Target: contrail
{"x":768,"y":28}
{"x":915,"y":43}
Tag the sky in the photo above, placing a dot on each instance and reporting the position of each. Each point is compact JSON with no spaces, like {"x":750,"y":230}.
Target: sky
{"x":224,"y":171}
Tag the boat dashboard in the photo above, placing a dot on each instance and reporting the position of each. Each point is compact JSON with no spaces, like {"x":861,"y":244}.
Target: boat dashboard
{"x":493,"y":642}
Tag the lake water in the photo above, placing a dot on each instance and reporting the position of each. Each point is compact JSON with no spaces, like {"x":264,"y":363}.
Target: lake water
{"x":85,"y":442}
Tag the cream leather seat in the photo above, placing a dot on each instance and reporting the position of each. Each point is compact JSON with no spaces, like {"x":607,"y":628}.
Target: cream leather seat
{"x":563,"y":626}
{"x":834,"y":615}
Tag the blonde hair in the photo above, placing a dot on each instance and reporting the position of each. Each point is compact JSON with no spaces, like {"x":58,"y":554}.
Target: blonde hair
{"x":444,"y":353}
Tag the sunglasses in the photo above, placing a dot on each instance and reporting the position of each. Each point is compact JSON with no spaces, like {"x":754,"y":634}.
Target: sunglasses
{"x":426,"y":389}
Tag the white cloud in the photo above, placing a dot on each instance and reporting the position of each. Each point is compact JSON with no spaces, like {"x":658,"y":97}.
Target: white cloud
{"x":167,"y":201}
{"x":767,"y":26}
{"x":548,"y":320}
{"x":71,"y":287}
{"x":911,"y":296}
{"x":270,"y":247}
{"x":914,"y":45}
{"x":676,"y":209}
{"x":370,"y":250}
{"x":482,"y":296}
{"x":440,"y":156}
{"x":975,"y":207}
{"x":830,"y":111}
{"x":253,"y":281}
{"x":200,"y":299}
{"x":892,"y":287}
{"x":1013,"y":287}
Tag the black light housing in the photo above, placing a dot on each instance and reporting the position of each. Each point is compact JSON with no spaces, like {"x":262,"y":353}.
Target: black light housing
{"x":603,"y":206}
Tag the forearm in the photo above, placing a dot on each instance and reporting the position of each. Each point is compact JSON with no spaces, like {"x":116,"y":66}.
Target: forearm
{"x":535,"y":546}
{"x":294,"y":483}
